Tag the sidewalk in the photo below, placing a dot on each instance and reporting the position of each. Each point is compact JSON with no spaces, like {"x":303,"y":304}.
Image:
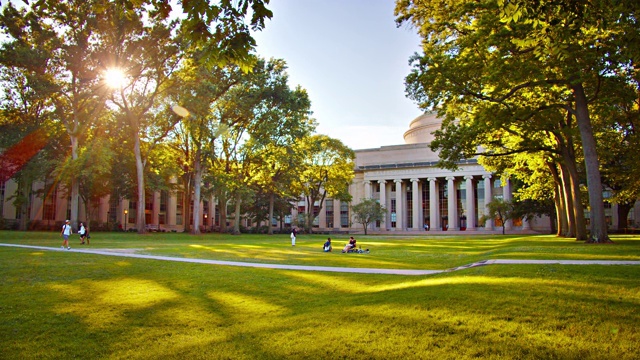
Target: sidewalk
{"x":327,"y":268}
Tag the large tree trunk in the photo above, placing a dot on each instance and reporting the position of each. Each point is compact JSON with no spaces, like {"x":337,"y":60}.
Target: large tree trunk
{"x":594,"y":183}
{"x":311,"y":214}
{"x":562,"y":224}
{"x":197,"y":181}
{"x":140,"y":214}
{"x":558,"y":200}
{"x":223,"y":211}
{"x":271,"y":202}
{"x":236,"y":224}
{"x":623,"y":213}
{"x":569,"y":158}
{"x":569,"y":202}
{"x":75,"y":185}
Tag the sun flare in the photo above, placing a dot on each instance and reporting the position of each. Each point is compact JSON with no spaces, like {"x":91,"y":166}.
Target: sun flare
{"x":115,"y":78}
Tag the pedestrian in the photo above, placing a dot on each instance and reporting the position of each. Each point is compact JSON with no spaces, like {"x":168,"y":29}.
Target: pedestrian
{"x":83,"y":233}
{"x":87,"y":237}
{"x":327,"y":246}
{"x":294,"y":233}
{"x":65,"y":233}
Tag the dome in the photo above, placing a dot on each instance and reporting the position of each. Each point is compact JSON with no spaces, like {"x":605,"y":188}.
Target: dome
{"x":421,"y":128}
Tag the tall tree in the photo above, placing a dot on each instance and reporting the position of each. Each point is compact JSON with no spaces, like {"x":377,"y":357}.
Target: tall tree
{"x":491,"y":51}
{"x":281,"y":121}
{"x":201,"y":87}
{"x":60,"y":33}
{"x":326,"y":171}
{"x":144,"y":48}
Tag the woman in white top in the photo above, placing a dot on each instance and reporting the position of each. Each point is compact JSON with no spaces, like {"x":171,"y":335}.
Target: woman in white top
{"x":83,"y":233}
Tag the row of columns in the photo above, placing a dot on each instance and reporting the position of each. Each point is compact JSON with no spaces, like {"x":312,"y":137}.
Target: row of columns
{"x":417,"y":216}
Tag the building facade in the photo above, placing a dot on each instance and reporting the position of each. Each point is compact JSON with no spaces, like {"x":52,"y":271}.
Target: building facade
{"x":405,"y":178}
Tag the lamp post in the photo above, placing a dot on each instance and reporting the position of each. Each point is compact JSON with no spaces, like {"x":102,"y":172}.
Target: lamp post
{"x":126,"y":219}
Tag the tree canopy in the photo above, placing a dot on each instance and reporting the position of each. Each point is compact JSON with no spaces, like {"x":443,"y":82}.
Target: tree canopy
{"x":523,"y":70}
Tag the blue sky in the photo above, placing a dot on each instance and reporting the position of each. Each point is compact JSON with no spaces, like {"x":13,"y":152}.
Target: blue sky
{"x":352,"y":60}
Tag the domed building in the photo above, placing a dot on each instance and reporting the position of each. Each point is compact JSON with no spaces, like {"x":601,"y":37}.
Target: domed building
{"x":419,"y":195}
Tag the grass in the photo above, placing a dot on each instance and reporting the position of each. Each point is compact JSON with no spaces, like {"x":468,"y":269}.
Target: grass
{"x":56,"y":304}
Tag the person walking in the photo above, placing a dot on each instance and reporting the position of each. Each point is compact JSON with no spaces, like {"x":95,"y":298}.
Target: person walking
{"x":87,"y":237}
{"x":294,"y":233}
{"x":83,"y":233}
{"x":65,"y":233}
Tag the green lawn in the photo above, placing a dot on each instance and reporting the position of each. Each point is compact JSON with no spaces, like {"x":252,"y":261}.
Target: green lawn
{"x":56,"y":304}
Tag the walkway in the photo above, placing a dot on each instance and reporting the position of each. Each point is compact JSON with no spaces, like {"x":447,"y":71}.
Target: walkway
{"x":327,"y":268}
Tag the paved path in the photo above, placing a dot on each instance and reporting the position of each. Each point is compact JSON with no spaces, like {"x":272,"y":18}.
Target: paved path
{"x":120,"y":253}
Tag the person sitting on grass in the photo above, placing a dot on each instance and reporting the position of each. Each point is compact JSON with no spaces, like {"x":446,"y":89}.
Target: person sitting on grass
{"x":350,"y":246}
{"x":327,"y":246}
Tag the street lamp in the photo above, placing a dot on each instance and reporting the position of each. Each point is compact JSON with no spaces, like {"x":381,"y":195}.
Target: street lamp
{"x":126,"y":219}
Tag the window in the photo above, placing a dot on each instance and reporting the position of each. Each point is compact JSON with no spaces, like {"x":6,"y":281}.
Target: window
{"x":133,"y":210}
{"x":49,"y":206}
{"x":425,"y":202}
{"x":344,"y":214}
{"x":409,"y":199}
{"x":316,"y":218}
{"x":461,"y":191}
{"x":498,"y":190}
{"x":179,"y":207}
{"x":393,"y":213}
{"x":68,"y":209}
{"x":329,"y":212}
{"x":443,"y":194}
{"x":479,"y":193}
{"x":164,"y":199}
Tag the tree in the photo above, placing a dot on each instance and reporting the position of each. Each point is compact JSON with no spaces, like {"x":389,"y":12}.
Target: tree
{"x":283,"y":119}
{"x":201,"y":86}
{"x":501,"y":210}
{"x":367,"y":212}
{"x":326,"y":171}
{"x":494,"y":52}
{"x":57,"y":36}
{"x":76,"y":42}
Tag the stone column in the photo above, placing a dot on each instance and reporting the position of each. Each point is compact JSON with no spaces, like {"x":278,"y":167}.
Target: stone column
{"x":172,"y":202}
{"x":384,"y":224}
{"x":471,"y":204}
{"x":212,"y":212}
{"x":434,"y":216}
{"x":399,"y":204}
{"x":367,"y":189}
{"x":336,"y":214}
{"x":488,"y":225}
{"x":452,"y":204}
{"x":322,"y":218}
{"x":506,"y":195}
{"x":415,"y":192}
{"x":155,"y":213}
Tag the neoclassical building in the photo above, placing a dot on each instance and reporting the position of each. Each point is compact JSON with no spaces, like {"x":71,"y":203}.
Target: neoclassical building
{"x":418,"y":195}
{"x":405,"y":178}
